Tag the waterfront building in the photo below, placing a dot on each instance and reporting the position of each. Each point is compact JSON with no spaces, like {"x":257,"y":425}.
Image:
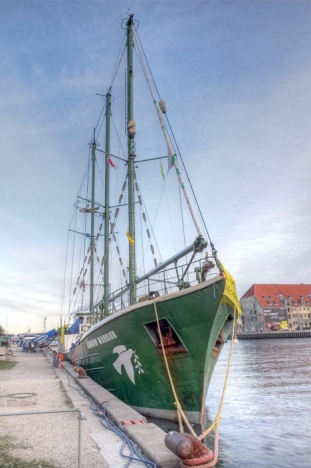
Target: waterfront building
{"x":272,"y":307}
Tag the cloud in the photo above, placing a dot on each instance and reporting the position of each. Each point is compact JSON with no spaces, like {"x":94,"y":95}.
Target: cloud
{"x":237,"y":86}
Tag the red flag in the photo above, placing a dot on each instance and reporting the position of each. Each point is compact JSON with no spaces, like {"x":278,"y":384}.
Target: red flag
{"x":111,"y":163}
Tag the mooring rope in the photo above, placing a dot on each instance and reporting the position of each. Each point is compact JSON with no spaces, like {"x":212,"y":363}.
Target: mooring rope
{"x":218,"y":415}
{"x":181,"y":415}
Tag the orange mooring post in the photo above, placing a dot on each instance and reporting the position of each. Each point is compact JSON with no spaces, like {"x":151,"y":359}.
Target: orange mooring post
{"x":190,"y":450}
{"x":61,"y":358}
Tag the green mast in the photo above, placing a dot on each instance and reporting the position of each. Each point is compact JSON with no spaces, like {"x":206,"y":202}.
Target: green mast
{"x":131,"y":160}
{"x":93,"y":145}
{"x":107,"y":204}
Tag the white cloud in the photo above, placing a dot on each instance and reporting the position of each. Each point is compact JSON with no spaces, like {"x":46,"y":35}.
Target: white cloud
{"x":239,"y":101}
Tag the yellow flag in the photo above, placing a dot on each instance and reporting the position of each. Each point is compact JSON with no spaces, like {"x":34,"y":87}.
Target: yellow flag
{"x":131,"y":241}
{"x":230,"y":290}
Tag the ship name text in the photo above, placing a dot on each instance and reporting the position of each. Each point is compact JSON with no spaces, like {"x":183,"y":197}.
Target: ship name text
{"x":101,"y":339}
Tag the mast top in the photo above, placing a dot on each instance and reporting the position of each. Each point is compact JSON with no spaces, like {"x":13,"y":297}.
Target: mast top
{"x":128,"y":22}
{"x":93,"y":143}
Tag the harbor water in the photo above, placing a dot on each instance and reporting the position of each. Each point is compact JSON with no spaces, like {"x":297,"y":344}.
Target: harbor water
{"x":266,"y":417}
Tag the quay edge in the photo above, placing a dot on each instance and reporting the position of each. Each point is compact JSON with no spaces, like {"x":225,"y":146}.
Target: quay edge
{"x":148,"y":437}
{"x":273,"y":335}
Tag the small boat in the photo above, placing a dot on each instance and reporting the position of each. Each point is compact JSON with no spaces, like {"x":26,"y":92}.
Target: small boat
{"x":149,"y":330}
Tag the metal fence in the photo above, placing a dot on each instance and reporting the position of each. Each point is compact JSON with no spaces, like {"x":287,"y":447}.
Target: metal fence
{"x":80,"y":417}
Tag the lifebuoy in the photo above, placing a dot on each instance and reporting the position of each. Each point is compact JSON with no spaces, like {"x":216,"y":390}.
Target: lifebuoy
{"x":85,"y":327}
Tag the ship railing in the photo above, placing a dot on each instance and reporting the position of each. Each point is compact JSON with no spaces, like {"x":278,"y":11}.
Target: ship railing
{"x":163,"y":282}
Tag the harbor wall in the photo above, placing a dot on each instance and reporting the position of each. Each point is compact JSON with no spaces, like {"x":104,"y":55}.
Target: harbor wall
{"x":273,"y":335}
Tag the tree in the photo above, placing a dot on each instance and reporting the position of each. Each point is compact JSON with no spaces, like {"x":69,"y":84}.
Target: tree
{"x":2,"y":330}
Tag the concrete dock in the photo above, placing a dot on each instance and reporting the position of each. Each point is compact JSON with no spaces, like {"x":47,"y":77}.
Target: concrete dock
{"x":31,"y":383}
{"x":147,"y":436}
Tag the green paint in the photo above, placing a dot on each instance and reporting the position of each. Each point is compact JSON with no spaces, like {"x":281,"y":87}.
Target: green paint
{"x":196,"y":317}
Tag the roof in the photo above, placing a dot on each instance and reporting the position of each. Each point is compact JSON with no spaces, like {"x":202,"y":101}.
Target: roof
{"x":274,"y":295}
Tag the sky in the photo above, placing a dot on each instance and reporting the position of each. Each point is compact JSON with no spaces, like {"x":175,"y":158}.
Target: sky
{"x":236,"y":77}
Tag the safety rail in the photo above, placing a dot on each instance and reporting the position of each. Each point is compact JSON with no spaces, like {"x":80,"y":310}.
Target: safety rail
{"x":163,"y":282}
{"x":30,"y":413}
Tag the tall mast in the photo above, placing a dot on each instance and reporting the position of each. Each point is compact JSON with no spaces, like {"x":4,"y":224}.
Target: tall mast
{"x":131,"y":160}
{"x":93,"y":145}
{"x":107,"y":204}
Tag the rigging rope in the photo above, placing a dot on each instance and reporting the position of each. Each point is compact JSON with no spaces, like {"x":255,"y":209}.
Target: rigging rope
{"x":146,"y":219}
{"x":186,"y":172}
{"x":171,"y":152}
{"x":119,"y":58}
{"x":214,"y":251}
{"x":97,"y":129}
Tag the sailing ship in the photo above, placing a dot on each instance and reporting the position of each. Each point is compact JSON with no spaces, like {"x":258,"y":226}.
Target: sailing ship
{"x":154,"y":339}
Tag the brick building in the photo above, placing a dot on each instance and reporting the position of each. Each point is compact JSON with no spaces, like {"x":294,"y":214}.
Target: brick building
{"x":268,"y":307}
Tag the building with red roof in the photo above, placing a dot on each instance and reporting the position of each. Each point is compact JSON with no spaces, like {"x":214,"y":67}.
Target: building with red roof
{"x":269,"y":307}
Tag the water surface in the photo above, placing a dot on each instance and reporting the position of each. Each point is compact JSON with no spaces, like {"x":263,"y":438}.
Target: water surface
{"x":266,"y":418}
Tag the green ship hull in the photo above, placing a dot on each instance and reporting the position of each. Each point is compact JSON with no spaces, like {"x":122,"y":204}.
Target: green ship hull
{"x":157,"y":351}
{"x":123,"y":352}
